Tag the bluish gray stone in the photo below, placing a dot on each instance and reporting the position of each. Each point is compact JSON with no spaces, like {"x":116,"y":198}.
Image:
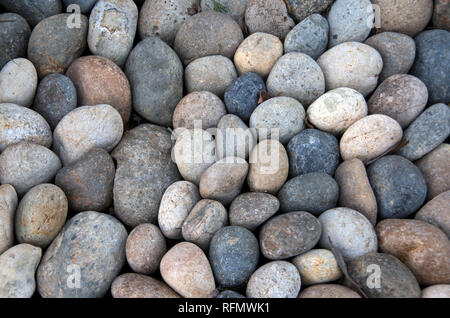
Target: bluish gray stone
{"x":301,"y":9}
{"x":14,"y":35}
{"x":229,"y":294}
{"x":241,"y":97}
{"x":85,"y":5}
{"x":309,"y":37}
{"x":313,"y":192}
{"x":427,"y":132}
{"x":313,"y":150}
{"x":432,"y":64}
{"x":398,"y":185}
{"x":234,"y":255}
{"x":33,"y":11}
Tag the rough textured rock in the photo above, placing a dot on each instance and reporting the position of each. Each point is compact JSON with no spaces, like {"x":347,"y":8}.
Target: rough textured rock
{"x":302,"y":9}
{"x":421,"y":246}
{"x":18,"y":82}
{"x":441,"y":14}
{"x":144,"y":171}
{"x":234,"y":8}
{"x":54,"y":46}
{"x":328,"y":291}
{"x":133,"y":285}
{"x":89,"y":251}
{"x":8,"y":205}
{"x":33,"y":11}
{"x":14,"y":37}
{"x":317,"y":266}
{"x":24,"y":165}
{"x":436,"y":291}
{"x":437,"y":212}
{"x":313,"y":192}
{"x":234,"y":138}
{"x":88,"y":182}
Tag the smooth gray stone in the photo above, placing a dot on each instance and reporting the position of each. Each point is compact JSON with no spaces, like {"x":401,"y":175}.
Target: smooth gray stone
{"x":85,"y":5}
{"x":33,"y":11}
{"x":14,"y":35}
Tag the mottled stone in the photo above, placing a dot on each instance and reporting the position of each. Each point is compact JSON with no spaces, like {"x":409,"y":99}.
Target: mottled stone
{"x":436,"y":291}
{"x":18,"y":82}
{"x":234,"y":138}
{"x":328,"y":291}
{"x":14,"y":36}
{"x":302,"y":9}
{"x":33,"y":11}
{"x":441,"y":14}
{"x":234,"y":8}
{"x":437,"y":212}
{"x":133,"y":285}
{"x":8,"y":205}
{"x":317,"y":266}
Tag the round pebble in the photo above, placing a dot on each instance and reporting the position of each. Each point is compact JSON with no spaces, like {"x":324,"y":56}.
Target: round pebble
{"x":301,"y":9}
{"x":133,"y":285}
{"x":436,"y":212}
{"x":317,"y":266}
{"x":33,"y":12}
{"x":18,"y":82}
{"x":14,"y":37}
{"x":436,"y":291}
{"x":8,"y":205}
{"x":328,"y":291}
{"x":441,"y":14}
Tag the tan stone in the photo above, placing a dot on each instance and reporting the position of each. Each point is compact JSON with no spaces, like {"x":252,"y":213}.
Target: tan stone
{"x":328,"y":291}
{"x":437,"y":212}
{"x":133,"y":285}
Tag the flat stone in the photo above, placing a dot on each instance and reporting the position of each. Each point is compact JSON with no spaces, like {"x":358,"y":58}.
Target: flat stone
{"x":14,"y":37}
{"x":436,"y":212}
{"x":133,"y":285}
{"x":8,"y":205}
{"x":18,"y":82}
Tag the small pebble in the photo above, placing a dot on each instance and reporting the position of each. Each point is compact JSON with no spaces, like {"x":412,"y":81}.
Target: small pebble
{"x":437,"y":212}
{"x":234,"y":138}
{"x":328,"y":291}
{"x":436,"y":291}
{"x":33,"y":12}
{"x":301,"y":9}
{"x":317,"y":266}
{"x":8,"y":205}
{"x":14,"y":37}
{"x":133,"y":285}
{"x":18,"y":82}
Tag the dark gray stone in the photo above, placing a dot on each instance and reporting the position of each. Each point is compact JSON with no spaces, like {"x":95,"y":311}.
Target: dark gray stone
{"x":241,"y":97}
{"x":156,"y":78}
{"x":229,"y":294}
{"x":56,"y":96}
{"x":33,"y":11}
{"x":432,"y":64}
{"x":302,"y":9}
{"x":314,"y":192}
{"x":313,"y":150}
{"x":85,"y":5}
{"x":234,"y":255}
{"x":399,"y":186}
{"x":14,"y":35}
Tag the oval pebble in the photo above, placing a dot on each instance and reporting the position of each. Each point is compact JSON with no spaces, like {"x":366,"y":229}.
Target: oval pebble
{"x":234,"y":138}
{"x":436,"y":212}
{"x":33,"y":12}
{"x":14,"y":37}
{"x":8,"y":205}
{"x":131,"y":285}
{"x":436,"y":291}
{"x":328,"y":291}
{"x":317,"y":266}
{"x":301,"y":9}
{"x":18,"y":82}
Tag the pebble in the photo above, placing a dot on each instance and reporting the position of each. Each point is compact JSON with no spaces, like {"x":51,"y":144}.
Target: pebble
{"x":56,"y":96}
{"x":224,"y":179}
{"x":436,"y":291}
{"x":193,"y":153}
{"x":176,"y":203}
{"x":258,"y":54}
{"x":434,"y":167}
{"x":349,"y":231}
{"x":234,"y":255}
{"x":309,"y":37}
{"x":370,"y":137}
{"x":99,"y":81}
{"x":436,"y":212}
{"x":145,"y":248}
{"x":397,"y":280}
{"x":85,"y":5}
{"x":53,"y":46}
{"x":33,"y":12}
{"x":17,"y":268}
{"x":252,"y":209}
{"x":328,"y":291}
{"x":441,"y":14}
{"x":91,"y":244}
{"x":289,"y":234}
{"x":25,"y":165}
{"x":313,"y":150}
{"x":397,"y":50}
{"x":210,"y":73}
{"x":269,"y":167}
{"x":402,"y":97}
{"x":207,"y":33}
{"x":355,"y":191}
{"x":432,"y":64}
{"x":408,"y":16}
{"x":234,"y":138}
{"x":18,"y":82}
{"x":84,"y":128}
{"x":144,"y":171}
{"x":241,"y":97}
{"x":14,"y":37}
{"x":421,"y":246}
{"x":8,"y":205}
{"x":337,"y":110}
{"x":298,"y":76}
{"x":351,"y":64}
{"x":314,"y":192}
{"x":88,"y":182}
{"x":281,"y":116}
{"x":301,"y":9}
{"x":198,"y":110}
{"x":156,"y":78}
{"x":234,"y":8}
{"x":205,"y":219}
{"x":132,"y":285}
{"x":163,"y":18}
{"x":428,"y":131}
{"x":40,"y":215}
{"x":268,"y":16}
{"x":229,"y":294}
{"x":277,"y":279}
{"x":187,"y":270}
{"x":317,"y":266}
{"x":398,"y":185}
{"x":349,"y":21}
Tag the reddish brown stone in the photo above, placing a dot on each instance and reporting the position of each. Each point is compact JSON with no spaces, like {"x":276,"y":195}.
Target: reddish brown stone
{"x":133,"y":285}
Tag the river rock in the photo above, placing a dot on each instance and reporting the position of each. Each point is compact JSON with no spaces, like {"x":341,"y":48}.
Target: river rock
{"x":436,"y":291}
{"x":88,"y":253}
{"x":54,"y":46}
{"x":328,"y":291}
{"x":56,"y":96}
{"x":352,"y":64}
{"x":436,"y":212}
{"x":234,"y":8}
{"x":88,"y":182}
{"x":421,"y":246}
{"x":234,"y":255}
{"x":100,"y":81}
{"x":309,"y":37}
{"x":18,"y":82}
{"x":441,"y":14}
{"x":313,"y":150}
{"x":402,"y":97}
{"x":17,"y":268}
{"x":229,"y":294}
{"x":370,"y":137}
{"x":234,"y":138}
{"x":25,"y":164}
{"x":301,"y":9}
{"x":8,"y":205}
{"x":298,"y":76}
{"x":85,"y":5}
{"x":317,"y":266}
{"x":133,"y":285}
{"x":314,"y":192}
{"x":176,"y":203}
{"x":186,"y":269}
{"x":349,"y":231}
{"x":33,"y":12}
{"x":144,"y":152}
{"x":156,"y":78}
{"x":14,"y":37}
